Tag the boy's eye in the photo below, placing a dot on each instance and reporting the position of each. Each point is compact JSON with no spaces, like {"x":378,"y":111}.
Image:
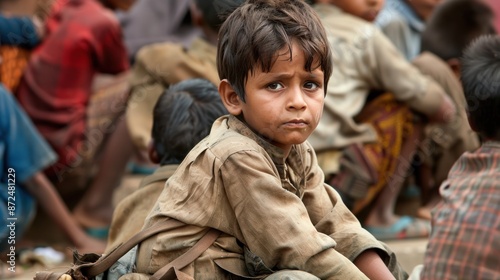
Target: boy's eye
{"x":311,"y":85}
{"x":274,"y":86}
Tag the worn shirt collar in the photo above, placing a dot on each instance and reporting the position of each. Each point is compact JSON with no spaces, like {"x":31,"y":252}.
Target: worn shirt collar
{"x":290,"y":169}
{"x":407,"y":12}
{"x":242,"y":128}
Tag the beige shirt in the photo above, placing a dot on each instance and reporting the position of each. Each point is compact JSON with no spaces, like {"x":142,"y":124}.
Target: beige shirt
{"x":158,"y":66}
{"x":130,"y":213}
{"x":278,"y":207}
{"x":364,"y":60}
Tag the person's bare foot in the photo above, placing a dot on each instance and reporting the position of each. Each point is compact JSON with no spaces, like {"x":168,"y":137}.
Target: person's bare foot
{"x":92,"y":218}
{"x":424,"y":212}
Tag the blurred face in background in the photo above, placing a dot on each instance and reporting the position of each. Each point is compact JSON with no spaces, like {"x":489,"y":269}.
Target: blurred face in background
{"x":423,"y":8}
{"x":365,"y":9}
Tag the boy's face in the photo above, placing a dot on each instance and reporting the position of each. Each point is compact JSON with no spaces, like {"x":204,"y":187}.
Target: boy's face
{"x":285,"y":104}
{"x":365,"y":9}
{"x":423,"y":8}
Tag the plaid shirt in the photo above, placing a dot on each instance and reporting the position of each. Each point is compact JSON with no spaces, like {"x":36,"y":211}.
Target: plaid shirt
{"x":83,"y":38}
{"x":465,"y":240}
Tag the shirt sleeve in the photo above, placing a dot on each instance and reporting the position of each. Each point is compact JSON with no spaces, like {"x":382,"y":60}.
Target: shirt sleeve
{"x":111,"y":54}
{"x":330,"y":215}
{"x":18,"y":31}
{"x":275,"y":223}
{"x":390,"y":71}
{"x":24,"y":149}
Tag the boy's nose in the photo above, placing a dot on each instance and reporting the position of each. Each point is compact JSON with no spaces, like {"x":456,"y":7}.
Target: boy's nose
{"x":296,"y":98}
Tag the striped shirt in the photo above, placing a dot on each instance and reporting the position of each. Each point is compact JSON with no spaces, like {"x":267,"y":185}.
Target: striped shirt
{"x":465,"y":239}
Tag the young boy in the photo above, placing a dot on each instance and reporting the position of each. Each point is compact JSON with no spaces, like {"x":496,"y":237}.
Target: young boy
{"x":255,"y":178}
{"x":403,"y":22}
{"x":452,"y":26}
{"x":464,"y":243}
{"x":375,"y":107}
{"x":182,"y":117}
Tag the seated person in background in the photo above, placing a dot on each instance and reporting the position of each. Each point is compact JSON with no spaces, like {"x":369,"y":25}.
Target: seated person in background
{"x":154,"y":21}
{"x":464,"y":243}
{"x":159,"y":65}
{"x":23,"y":156}
{"x":369,"y":130}
{"x":403,"y":21}
{"x":255,"y":178}
{"x":82,"y":39}
{"x":182,"y":116}
{"x":452,"y":26}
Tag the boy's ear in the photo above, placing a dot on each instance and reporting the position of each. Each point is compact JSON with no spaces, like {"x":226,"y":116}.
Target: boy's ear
{"x":153,"y":155}
{"x":455,"y":66}
{"x":230,"y":98}
{"x":472,"y":124}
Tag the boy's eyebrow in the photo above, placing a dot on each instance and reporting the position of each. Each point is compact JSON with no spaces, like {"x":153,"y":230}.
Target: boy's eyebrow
{"x":288,"y":75}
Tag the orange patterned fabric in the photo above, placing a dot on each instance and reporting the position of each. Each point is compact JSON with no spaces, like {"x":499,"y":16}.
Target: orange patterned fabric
{"x":13,"y":62}
{"x":393,"y":122}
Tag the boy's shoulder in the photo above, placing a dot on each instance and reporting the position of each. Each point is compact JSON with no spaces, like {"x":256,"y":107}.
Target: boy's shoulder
{"x":225,"y":139}
{"x":341,"y":26}
{"x":333,"y":15}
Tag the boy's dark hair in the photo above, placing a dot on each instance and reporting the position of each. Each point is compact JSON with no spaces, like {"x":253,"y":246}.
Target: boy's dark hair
{"x":454,"y":24}
{"x":215,"y":11}
{"x":182,"y":116}
{"x":481,"y":84}
{"x":255,"y":32}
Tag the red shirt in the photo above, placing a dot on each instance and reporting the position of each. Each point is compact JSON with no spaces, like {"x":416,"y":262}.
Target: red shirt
{"x":495,"y":6}
{"x":83,"y":38}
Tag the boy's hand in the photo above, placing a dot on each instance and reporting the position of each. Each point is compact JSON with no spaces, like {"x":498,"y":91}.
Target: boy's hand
{"x":445,"y":113}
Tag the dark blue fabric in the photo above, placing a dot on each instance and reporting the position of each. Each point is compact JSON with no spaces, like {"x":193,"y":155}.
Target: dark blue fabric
{"x":18,"y":31}
{"x":23,"y":152}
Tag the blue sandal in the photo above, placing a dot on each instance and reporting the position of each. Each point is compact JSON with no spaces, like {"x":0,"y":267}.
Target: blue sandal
{"x":405,"y":227}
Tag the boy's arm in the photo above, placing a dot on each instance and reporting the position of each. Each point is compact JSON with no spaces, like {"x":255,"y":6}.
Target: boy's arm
{"x":330,"y":216}
{"x":274,"y":223}
{"x":46,"y":195}
{"x":390,"y":71}
{"x":370,"y":263}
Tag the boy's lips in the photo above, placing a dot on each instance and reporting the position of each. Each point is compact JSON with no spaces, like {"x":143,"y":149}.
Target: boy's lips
{"x":371,"y":15}
{"x":297,"y":123}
